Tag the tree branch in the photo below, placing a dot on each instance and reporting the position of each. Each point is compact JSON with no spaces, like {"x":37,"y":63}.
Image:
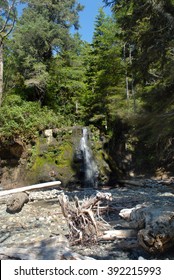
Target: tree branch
{"x":10,"y":9}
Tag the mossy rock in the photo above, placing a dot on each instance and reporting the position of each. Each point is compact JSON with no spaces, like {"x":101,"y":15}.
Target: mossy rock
{"x":56,"y":160}
{"x":52,"y":161}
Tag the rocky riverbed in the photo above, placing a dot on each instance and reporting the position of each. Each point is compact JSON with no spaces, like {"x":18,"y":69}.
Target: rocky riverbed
{"x":41,"y":219}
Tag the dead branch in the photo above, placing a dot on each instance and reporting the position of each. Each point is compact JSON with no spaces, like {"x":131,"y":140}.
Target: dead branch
{"x":83,"y":218}
{"x":30,"y":188}
{"x":119,"y":234}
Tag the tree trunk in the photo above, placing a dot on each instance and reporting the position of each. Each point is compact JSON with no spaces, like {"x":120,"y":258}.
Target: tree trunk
{"x":155,"y":225}
{"x":118,"y":234}
{"x":1,"y":71}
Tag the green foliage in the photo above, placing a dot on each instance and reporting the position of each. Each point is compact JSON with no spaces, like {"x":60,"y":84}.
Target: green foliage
{"x":41,"y":32}
{"x":26,"y":119}
{"x":66,"y":83}
{"x":105,"y":75}
{"x":8,"y":14}
{"x":53,"y":78}
{"x":149,"y":28}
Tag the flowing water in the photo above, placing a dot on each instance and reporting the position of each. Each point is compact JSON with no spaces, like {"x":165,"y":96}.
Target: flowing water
{"x":90,"y":167}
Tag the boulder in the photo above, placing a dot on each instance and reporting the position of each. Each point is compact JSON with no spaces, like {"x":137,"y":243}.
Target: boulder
{"x":16,"y":202}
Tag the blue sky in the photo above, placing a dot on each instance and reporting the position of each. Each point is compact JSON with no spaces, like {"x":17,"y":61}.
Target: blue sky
{"x":87,"y":17}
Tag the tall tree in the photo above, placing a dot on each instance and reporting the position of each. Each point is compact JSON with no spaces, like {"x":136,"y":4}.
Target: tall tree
{"x":105,"y":73}
{"x":66,"y":84}
{"x":7,"y":21}
{"x":42,"y":32}
{"x":149,"y":26}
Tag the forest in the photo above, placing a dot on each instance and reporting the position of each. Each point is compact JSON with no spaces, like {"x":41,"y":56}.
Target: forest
{"x":92,"y":123}
{"x":122,"y":84}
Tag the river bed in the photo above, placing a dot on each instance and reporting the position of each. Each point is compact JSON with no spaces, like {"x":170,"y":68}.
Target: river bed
{"x":42,"y":218}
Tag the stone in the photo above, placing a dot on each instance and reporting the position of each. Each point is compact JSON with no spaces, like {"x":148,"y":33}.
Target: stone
{"x":48,"y":133}
{"x":16,"y":202}
{"x":24,"y":228}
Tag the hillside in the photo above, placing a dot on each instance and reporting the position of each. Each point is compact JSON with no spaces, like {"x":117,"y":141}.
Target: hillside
{"x":121,"y":87}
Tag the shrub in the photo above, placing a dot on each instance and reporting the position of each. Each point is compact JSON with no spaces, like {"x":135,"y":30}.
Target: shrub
{"x":18,"y":117}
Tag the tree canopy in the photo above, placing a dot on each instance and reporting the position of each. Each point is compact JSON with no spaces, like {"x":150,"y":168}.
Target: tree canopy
{"x":125,"y":73}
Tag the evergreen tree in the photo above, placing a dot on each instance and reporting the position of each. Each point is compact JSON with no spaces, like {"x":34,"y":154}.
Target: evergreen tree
{"x":7,"y":21}
{"x":66,"y":84}
{"x":148,"y":26}
{"x":42,"y":32}
{"x":106,"y":97}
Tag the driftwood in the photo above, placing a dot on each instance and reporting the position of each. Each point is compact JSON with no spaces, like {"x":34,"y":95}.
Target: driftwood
{"x":156,"y":226}
{"x":16,"y":202}
{"x":131,"y":182}
{"x":118,"y":234}
{"x":135,"y":216}
{"x":83,"y":218}
{"x":30,"y":188}
{"x":168,"y":182}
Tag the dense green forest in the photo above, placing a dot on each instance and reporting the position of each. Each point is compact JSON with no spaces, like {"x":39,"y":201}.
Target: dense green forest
{"x":122,"y":83}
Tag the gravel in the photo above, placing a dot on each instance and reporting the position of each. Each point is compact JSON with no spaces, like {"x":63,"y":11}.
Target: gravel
{"x":41,"y":218}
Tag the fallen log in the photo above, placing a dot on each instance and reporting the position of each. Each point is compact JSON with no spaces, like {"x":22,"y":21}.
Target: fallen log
{"x":168,"y":182}
{"x":30,"y":188}
{"x":118,"y":234}
{"x":156,"y":227}
{"x":135,"y":215}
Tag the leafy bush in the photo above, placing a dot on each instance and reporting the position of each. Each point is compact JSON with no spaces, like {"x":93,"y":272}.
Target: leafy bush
{"x":18,"y":117}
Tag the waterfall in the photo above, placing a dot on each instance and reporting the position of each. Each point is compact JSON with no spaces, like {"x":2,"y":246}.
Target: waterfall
{"x":90,"y":167}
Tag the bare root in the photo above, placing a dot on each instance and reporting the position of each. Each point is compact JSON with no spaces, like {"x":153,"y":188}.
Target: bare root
{"x":83,"y":218}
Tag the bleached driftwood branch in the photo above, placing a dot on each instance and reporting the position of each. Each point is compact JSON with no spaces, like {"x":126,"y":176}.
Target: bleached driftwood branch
{"x":118,"y":234}
{"x":30,"y":188}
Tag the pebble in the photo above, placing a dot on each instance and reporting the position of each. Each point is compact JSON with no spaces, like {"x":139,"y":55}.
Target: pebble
{"x":41,"y":219}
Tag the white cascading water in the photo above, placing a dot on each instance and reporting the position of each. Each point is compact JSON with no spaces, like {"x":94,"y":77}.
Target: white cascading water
{"x":90,"y":167}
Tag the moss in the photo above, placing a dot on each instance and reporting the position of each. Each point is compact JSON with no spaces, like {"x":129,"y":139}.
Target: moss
{"x":52,"y":161}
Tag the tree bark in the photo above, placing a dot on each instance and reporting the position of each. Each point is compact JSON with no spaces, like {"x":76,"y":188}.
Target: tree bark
{"x":155,"y":224}
{"x":7,"y":26}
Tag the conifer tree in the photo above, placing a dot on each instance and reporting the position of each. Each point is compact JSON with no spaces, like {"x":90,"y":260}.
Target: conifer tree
{"x":7,"y":21}
{"x":42,"y":31}
{"x":149,"y":27}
